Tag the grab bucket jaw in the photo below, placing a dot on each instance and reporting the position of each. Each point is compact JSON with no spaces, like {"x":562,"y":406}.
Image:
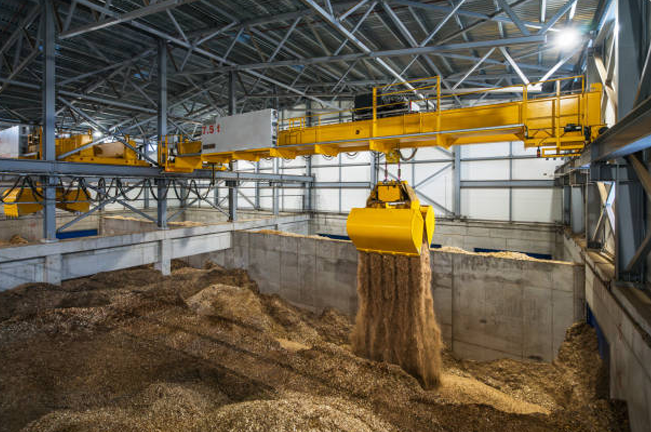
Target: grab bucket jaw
{"x":398,"y":227}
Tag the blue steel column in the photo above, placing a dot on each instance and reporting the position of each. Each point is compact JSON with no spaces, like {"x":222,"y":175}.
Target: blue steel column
{"x":49,"y":118}
{"x":162,"y":129}
{"x":232,"y":185}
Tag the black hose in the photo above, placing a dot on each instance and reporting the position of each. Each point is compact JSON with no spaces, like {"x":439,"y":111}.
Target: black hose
{"x":176,"y":192}
{"x":153,"y":194}
{"x":413,"y":154}
{"x":8,"y":191}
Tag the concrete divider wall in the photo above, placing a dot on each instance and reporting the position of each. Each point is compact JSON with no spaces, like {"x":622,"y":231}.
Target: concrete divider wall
{"x":31,"y":227}
{"x":68,"y":259}
{"x":487,"y":307}
{"x":111,"y":225}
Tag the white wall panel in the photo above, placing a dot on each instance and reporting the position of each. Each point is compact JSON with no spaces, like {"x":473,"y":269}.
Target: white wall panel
{"x":534,"y":169}
{"x":520,"y":150}
{"x":328,"y":174}
{"x":355,"y":174}
{"x":292,"y":200}
{"x":439,"y":190}
{"x":429,"y":153}
{"x":485,"y":150}
{"x":537,"y":205}
{"x":327,"y":200}
{"x":353,"y":198}
{"x":484,"y":203}
{"x":485,"y":170}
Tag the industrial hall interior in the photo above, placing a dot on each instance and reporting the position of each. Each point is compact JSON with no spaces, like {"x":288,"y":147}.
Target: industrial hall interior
{"x":325,"y":215}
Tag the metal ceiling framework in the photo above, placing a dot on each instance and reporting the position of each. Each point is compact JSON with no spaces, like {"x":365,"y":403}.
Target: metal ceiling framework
{"x":305,"y":49}
{"x":146,"y":68}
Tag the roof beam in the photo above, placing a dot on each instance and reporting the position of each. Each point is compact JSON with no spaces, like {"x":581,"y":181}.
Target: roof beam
{"x":514,"y":65}
{"x":557,"y":16}
{"x":560,"y":63}
{"x":472,"y":69}
{"x":200,"y":51}
{"x":31,"y":16}
{"x":466,"y":13}
{"x":432,"y":49}
{"x":334,"y":23}
{"x":514,"y":17}
{"x":117,"y":18}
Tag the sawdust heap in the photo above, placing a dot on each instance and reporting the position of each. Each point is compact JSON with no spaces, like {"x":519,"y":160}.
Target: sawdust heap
{"x":15,"y":240}
{"x":519,"y":256}
{"x":289,"y":234}
{"x":395,"y":321}
{"x":298,"y":413}
{"x":203,"y":350}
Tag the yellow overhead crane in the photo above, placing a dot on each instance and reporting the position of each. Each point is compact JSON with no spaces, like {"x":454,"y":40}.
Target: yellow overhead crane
{"x":24,"y":200}
{"x":559,"y":123}
{"x":112,"y":153}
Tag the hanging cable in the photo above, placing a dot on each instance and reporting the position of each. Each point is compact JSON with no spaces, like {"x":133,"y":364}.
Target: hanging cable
{"x":158,"y":198}
{"x":176,"y":192}
{"x":125,"y":195}
{"x":8,"y":191}
{"x":413,"y":154}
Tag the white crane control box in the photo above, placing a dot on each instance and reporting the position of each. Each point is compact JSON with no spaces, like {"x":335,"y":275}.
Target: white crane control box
{"x":252,"y":130}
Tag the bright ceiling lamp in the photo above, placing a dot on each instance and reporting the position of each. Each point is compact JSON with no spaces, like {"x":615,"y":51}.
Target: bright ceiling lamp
{"x":567,"y":38}
{"x":97,"y":134}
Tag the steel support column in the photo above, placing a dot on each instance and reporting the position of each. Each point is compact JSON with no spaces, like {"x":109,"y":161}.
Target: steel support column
{"x":629,"y":229}
{"x":456,"y":181}
{"x":256,"y":200}
{"x":567,"y":204}
{"x":275,"y":190}
{"x":162,"y":89}
{"x":276,"y":165}
{"x":162,"y":184}
{"x":577,"y":218}
{"x":629,"y":54}
{"x":49,"y":118}
{"x":232,"y":185}
{"x":161,"y":213}
{"x":593,"y":214}
{"x":307,"y":194}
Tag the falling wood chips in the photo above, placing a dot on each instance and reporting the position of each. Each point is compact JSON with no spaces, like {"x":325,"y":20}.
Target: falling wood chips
{"x":395,"y":321}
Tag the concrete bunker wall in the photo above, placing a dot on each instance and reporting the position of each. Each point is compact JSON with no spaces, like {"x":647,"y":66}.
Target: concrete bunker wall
{"x":72,"y":258}
{"x":488,"y":307}
{"x":623,"y":315}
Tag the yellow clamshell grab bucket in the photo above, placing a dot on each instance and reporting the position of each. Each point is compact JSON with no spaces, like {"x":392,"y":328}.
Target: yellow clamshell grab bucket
{"x":393,"y":221}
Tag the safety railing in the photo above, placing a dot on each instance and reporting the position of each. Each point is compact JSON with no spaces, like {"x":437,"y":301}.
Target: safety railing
{"x":417,"y":100}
